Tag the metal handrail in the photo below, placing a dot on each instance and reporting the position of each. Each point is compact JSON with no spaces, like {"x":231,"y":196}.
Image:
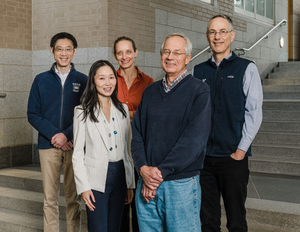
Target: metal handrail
{"x":199,"y":53}
{"x":2,"y":95}
{"x":244,"y":50}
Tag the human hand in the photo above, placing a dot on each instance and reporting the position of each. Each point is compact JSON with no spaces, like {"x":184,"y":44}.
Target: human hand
{"x":67,"y":146}
{"x":152,"y":176}
{"x":87,"y":196}
{"x":238,"y":154}
{"x":59,"y":140}
{"x":147,"y":193}
{"x":129,"y":196}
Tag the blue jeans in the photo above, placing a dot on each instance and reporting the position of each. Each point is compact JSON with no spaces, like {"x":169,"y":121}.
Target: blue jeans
{"x":175,"y":208}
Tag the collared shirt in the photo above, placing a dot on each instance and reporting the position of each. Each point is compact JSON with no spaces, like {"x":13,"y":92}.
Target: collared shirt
{"x":62,"y":77}
{"x":173,"y":83}
{"x":254,"y":97}
{"x":132,"y":96}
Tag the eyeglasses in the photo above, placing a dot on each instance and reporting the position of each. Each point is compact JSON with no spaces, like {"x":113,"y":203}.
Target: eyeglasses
{"x":175,"y":53}
{"x":222,"y":33}
{"x":67,"y":50}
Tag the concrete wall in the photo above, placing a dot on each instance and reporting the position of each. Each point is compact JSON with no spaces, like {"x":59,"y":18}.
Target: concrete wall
{"x":96,"y":24}
{"x":15,"y":81}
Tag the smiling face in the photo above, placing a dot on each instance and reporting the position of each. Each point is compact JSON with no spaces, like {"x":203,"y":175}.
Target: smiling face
{"x":175,"y":62}
{"x":220,"y":45}
{"x":105,"y":81}
{"x":63,"y":53}
{"x":125,"y":54}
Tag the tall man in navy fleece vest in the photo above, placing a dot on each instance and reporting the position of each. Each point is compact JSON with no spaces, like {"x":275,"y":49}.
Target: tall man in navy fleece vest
{"x":236,"y":95}
{"x":170,"y":131}
{"x":52,"y":99}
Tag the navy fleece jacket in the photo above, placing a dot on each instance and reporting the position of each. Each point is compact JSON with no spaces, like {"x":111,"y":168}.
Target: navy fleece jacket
{"x":51,"y":105}
{"x":170,"y":130}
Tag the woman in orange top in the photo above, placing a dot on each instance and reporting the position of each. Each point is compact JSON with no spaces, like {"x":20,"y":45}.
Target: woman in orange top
{"x":131,"y":81}
{"x":131,"y":85}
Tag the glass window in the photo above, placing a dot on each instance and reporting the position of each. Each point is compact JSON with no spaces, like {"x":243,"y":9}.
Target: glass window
{"x":259,"y":9}
{"x":249,"y":6}
{"x":269,"y":10}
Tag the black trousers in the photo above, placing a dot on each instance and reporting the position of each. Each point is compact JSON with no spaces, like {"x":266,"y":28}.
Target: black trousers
{"x":109,"y":205}
{"x":229,"y":178}
{"x":126,"y":216}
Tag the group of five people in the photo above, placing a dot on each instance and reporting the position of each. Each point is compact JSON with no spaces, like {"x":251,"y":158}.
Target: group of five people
{"x":177,"y":133}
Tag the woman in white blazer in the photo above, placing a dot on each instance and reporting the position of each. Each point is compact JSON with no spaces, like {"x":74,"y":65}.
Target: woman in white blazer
{"x":102,"y":162}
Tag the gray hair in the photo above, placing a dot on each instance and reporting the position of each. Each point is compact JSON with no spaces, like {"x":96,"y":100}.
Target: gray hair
{"x":224,"y":17}
{"x":188,"y":45}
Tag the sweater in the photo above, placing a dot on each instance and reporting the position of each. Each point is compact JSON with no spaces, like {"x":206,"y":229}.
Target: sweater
{"x":228,"y":103}
{"x":51,"y":105}
{"x":170,"y":130}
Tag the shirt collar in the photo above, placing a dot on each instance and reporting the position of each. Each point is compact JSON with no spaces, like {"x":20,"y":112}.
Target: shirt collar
{"x":175,"y":82}
{"x":227,"y":57}
{"x":59,"y":73}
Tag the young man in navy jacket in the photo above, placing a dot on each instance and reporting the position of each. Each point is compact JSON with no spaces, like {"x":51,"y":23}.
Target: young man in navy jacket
{"x":52,"y":99}
{"x":236,"y":94}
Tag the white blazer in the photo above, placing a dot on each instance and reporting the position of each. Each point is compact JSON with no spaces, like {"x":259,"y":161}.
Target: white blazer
{"x":90,"y":155}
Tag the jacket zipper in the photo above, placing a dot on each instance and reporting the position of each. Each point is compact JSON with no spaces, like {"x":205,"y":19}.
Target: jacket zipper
{"x":213,"y":113}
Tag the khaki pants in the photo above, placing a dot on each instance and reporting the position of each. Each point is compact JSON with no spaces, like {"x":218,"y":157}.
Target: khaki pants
{"x":52,"y":160}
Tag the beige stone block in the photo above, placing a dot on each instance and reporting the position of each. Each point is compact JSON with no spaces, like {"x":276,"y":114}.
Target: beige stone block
{"x":17,"y":78}
{"x":17,"y":132}
{"x":14,"y":105}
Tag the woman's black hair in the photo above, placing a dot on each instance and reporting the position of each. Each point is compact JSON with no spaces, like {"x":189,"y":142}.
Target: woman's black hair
{"x":121,"y":39}
{"x":89,"y":99}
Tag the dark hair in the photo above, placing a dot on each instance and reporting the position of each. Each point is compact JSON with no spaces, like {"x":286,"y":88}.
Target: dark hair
{"x":89,"y":99}
{"x":224,"y":17}
{"x":124,"y":38}
{"x":63,"y":35}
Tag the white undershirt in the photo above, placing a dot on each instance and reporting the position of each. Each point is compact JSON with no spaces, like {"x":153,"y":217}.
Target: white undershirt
{"x":114,"y":146}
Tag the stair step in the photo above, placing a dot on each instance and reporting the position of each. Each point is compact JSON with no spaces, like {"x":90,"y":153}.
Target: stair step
{"x":277,"y":95}
{"x":282,"y":105}
{"x":281,"y":115}
{"x":281,"y":88}
{"x":278,"y":138}
{"x":280,"y":126}
{"x":274,"y":165}
{"x":285,"y":81}
{"x":290,"y":64}
{"x":285,"y":74}
{"x":286,"y":69}
{"x":283,"y":215}
{"x":24,"y":179}
{"x":31,"y":202}
{"x":14,"y":221}
{"x":275,"y":150}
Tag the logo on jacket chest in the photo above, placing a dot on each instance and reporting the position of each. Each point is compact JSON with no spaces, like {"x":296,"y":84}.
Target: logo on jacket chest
{"x":76,"y":87}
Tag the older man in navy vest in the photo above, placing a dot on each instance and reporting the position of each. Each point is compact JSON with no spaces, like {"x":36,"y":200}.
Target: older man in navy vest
{"x":236,"y":95}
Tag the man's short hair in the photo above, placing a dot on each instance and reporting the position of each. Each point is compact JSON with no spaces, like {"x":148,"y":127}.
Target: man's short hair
{"x":63,"y":35}
{"x":224,"y":17}
{"x":188,"y":43}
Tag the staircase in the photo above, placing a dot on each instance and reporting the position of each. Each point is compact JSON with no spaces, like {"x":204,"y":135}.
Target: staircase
{"x":21,"y":201}
{"x":276,"y":152}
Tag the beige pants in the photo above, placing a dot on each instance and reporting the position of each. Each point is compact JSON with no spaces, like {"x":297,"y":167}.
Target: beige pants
{"x":52,"y":160}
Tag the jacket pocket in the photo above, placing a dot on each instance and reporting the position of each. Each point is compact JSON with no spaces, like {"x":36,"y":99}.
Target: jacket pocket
{"x":89,"y":161}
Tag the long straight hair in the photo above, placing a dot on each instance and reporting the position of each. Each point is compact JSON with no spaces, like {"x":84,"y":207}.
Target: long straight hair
{"x":89,"y":99}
